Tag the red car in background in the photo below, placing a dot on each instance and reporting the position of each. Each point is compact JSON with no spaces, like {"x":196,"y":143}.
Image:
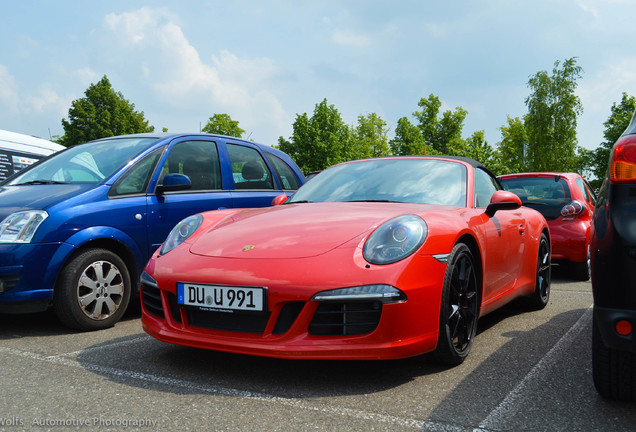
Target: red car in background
{"x":566,"y":200}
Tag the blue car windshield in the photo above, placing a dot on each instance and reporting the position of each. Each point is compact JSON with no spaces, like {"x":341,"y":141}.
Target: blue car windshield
{"x":86,"y":163}
{"x":408,"y":180}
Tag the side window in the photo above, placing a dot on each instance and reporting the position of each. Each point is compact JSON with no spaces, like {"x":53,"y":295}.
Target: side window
{"x":581,"y":186}
{"x":248,"y":168}
{"x":285,"y":174}
{"x":199,"y":160}
{"x":136,"y":179}
{"x":485,"y":187}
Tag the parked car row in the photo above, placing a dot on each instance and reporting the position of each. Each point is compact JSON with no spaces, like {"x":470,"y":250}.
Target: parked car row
{"x":78,"y":227}
{"x":333,"y":272}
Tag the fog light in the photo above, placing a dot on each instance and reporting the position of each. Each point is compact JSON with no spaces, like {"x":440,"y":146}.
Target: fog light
{"x":623,"y":327}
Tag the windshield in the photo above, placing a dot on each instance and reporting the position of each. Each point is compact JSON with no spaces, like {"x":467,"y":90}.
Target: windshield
{"x":543,"y":194}
{"x":424,"y":181}
{"x":86,"y":163}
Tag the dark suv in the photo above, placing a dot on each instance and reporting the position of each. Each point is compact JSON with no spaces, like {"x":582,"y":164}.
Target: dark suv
{"x":613,"y":262}
{"x":77,"y":229}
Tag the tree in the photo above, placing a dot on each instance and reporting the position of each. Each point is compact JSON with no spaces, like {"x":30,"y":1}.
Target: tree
{"x":511,"y":148}
{"x":615,"y":125}
{"x":437,"y":132}
{"x":103,"y":112}
{"x":319,"y":141}
{"x":369,"y":138}
{"x":408,"y":140}
{"x":477,"y":148}
{"x":551,"y":120}
{"x":223,"y":124}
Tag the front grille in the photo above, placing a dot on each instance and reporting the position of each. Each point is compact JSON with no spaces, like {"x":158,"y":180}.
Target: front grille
{"x":238,"y":322}
{"x":152,"y":300}
{"x":345,"y":319}
{"x":7,"y":282}
{"x":175,"y":310}
{"x":287,"y":316}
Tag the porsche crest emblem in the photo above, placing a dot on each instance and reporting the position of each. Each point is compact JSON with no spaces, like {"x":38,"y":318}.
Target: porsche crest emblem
{"x":248,"y":248}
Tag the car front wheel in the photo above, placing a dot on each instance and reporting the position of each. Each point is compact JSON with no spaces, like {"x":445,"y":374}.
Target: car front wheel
{"x":93,"y":290}
{"x":459,"y":308}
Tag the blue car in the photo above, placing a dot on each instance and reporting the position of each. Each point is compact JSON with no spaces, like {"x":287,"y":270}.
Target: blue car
{"x":78,"y":227}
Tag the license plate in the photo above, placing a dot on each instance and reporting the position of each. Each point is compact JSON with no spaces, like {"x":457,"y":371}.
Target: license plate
{"x":222,"y":297}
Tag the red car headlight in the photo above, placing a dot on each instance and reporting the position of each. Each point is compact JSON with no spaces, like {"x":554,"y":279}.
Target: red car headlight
{"x":395,"y":240}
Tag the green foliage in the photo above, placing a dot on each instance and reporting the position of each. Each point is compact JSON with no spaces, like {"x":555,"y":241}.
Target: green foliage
{"x":438,"y":133}
{"x":511,"y":147}
{"x":551,"y":120}
{"x":615,"y":125}
{"x":319,"y":141}
{"x":477,"y":148}
{"x":409,"y":140}
{"x":103,"y":112}
{"x":222,"y":124}
{"x":369,"y":139}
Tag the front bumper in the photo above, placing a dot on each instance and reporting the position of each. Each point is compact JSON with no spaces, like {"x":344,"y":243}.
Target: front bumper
{"x":27,"y":275}
{"x":403,"y":329}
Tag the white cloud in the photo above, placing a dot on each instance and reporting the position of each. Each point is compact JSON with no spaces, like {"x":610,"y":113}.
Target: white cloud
{"x":86,"y":76}
{"x":173,"y":68}
{"x":8,"y":89}
{"x":350,"y":38}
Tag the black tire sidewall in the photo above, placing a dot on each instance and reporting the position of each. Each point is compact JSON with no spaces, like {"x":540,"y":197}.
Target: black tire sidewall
{"x":65,"y":300}
{"x":445,"y":352}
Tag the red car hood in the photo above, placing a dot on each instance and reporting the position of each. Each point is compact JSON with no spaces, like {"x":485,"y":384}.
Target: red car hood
{"x":294,"y":230}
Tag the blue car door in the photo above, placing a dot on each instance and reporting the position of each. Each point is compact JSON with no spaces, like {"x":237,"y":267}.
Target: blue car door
{"x":197,"y":158}
{"x":254,"y":184}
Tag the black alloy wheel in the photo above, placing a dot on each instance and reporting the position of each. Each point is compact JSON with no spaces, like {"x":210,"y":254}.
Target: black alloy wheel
{"x":459,"y":308}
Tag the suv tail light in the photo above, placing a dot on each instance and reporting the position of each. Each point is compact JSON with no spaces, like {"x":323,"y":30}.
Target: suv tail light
{"x":623,"y":161}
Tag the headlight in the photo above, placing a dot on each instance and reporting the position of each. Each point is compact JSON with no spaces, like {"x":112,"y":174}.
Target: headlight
{"x":395,"y":240}
{"x":181,"y":232}
{"x":21,"y":226}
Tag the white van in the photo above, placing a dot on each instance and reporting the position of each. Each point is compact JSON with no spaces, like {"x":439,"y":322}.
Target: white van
{"x":18,"y":151}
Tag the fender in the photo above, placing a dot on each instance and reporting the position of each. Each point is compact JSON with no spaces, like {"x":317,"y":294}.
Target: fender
{"x":89,"y":235}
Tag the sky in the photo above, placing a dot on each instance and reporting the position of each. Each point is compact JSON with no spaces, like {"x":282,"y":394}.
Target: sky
{"x":265,"y":62}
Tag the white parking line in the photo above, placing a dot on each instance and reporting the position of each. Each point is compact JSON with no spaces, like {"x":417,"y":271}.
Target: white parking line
{"x":491,"y":422}
{"x":64,"y":360}
{"x":104,"y":346}
{"x":501,"y":411}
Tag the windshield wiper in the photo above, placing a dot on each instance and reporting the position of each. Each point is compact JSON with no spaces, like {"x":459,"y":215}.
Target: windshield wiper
{"x":41,"y":182}
{"x":298,"y":202}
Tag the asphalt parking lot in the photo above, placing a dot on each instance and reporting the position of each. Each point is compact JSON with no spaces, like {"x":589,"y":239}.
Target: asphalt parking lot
{"x":527,"y":371}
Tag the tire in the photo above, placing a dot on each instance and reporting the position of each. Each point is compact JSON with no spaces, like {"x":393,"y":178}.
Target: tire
{"x":93,"y":290}
{"x":539,"y":299}
{"x":582,"y":271}
{"x":613,"y":371}
{"x":459,"y":308}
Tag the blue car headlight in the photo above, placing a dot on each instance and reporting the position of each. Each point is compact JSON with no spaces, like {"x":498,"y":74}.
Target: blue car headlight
{"x":20,"y":227}
{"x":395,"y":240}
{"x":181,"y":232}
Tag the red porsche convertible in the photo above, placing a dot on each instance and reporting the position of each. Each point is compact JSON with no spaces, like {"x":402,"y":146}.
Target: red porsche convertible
{"x":373,"y":259}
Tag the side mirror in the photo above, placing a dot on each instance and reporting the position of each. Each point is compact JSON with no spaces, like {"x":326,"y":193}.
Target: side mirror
{"x":502,"y":200}
{"x":174,"y":182}
{"x":278,"y":200}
